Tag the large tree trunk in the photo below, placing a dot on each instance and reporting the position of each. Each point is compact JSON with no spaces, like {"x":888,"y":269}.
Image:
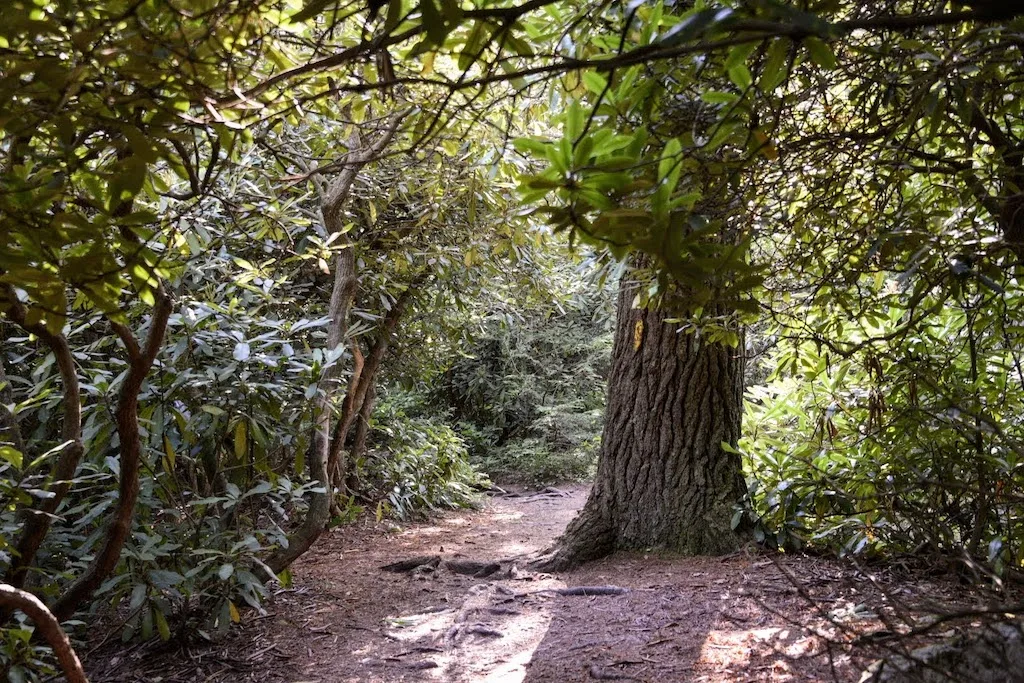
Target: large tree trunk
{"x":663,"y":480}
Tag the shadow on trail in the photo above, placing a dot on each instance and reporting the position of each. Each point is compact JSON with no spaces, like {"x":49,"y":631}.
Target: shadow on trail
{"x":684,"y":619}
{"x":454,"y":607}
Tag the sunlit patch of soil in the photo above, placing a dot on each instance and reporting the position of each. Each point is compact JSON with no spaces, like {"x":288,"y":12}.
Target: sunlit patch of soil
{"x":746,"y":617}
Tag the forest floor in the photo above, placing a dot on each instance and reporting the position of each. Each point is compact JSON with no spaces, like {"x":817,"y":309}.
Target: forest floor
{"x":751,"y":616}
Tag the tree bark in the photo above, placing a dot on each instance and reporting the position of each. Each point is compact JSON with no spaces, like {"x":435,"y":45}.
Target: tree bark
{"x":362,"y":435}
{"x":48,"y":626}
{"x":140,"y":361}
{"x":363,"y":382}
{"x":663,"y":481}
{"x":37,"y":520}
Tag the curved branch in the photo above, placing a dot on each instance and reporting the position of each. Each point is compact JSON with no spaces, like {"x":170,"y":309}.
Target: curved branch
{"x":738,"y":32}
{"x":368,"y":47}
{"x":38,"y":520}
{"x":141,"y":359}
{"x":13,"y":598}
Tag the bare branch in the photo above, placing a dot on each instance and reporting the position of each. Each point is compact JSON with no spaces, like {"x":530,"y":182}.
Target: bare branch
{"x":47,"y":624}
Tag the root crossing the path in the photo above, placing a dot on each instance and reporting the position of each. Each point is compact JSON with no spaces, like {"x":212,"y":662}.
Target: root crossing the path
{"x":456,"y":600}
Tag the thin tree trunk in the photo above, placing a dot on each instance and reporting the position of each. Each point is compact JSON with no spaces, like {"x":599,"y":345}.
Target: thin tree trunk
{"x":365,"y":380}
{"x":333,"y":199}
{"x":361,"y":436}
{"x":140,"y":361}
{"x":37,"y":520}
{"x":664,"y":481}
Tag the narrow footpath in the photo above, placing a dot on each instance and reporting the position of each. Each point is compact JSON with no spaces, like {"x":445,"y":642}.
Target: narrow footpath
{"x":451,"y":600}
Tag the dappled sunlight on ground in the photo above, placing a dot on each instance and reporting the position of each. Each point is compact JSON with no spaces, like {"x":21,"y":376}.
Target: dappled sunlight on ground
{"x":728,"y":650}
{"x":735,"y":618}
{"x":486,"y":641}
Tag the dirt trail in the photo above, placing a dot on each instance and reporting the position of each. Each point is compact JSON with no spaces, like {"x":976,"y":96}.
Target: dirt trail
{"x":746,"y":617}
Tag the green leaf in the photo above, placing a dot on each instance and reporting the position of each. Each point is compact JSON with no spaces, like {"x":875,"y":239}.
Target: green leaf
{"x":169,"y":453}
{"x":695,"y":25}
{"x":162,"y":627}
{"x":740,"y":76}
{"x":138,"y":596}
{"x":194,"y":247}
{"x":433,"y":22}
{"x":127,"y":181}
{"x":719,"y":97}
{"x":224,"y":618}
{"x":738,"y":55}
{"x":285,"y":577}
{"x":820,"y":52}
{"x":574,"y":120}
{"x":162,"y":578}
{"x":241,"y":352}
{"x":147,"y":624}
{"x":474,"y":42}
{"x":241,"y":440}
{"x":311,"y":9}
{"x":737,"y":517}
{"x":532,"y":145}
{"x":670,"y":165}
{"x":452,"y":11}
{"x":773,"y":71}
{"x":395,"y":8}
{"x":595,"y":82}
{"x":11,"y":455}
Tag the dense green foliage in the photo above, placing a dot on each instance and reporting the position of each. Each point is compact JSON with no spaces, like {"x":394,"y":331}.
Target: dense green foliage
{"x":887,"y":449}
{"x":860,"y":196}
{"x":531,"y":394}
{"x":263,"y":264}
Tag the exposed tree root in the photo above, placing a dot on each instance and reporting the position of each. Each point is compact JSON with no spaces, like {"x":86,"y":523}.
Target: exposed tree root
{"x":587,"y":591}
{"x":547,"y":493}
{"x":413,"y":563}
{"x":590,"y":536}
{"x":480,"y":570}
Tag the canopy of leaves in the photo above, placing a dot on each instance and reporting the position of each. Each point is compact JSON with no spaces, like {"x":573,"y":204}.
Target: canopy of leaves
{"x":844,"y":177}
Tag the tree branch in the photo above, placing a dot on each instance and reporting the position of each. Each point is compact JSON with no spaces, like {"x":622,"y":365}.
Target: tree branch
{"x":737,"y":32}
{"x":141,"y":359}
{"x":48,"y":626}
{"x":37,"y":521}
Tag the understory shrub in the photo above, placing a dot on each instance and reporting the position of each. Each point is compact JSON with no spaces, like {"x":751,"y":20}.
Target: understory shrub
{"x":530,"y":397}
{"x":560,"y":445}
{"x":418,"y":462}
{"x":897,"y":447}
